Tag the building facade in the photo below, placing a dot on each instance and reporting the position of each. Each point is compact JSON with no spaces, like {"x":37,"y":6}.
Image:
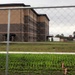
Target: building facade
{"x":25,"y":24}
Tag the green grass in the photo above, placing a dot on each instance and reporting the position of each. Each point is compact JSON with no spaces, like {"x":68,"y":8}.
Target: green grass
{"x":37,"y":64}
{"x":41,"y":47}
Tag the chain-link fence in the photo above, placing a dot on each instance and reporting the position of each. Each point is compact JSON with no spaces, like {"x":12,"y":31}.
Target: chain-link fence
{"x":32,"y":39}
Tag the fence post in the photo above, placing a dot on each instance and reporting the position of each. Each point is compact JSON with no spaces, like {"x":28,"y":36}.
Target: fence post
{"x":65,"y":71}
{"x":7,"y":49}
{"x":63,"y":66}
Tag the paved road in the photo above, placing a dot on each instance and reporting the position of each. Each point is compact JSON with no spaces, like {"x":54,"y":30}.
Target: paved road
{"x":38,"y":53}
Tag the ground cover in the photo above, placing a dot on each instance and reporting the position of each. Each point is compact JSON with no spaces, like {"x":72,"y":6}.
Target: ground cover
{"x":37,"y":64}
{"x":40,"y":47}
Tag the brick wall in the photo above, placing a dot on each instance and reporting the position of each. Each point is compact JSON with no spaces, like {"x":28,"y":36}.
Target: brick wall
{"x":25,"y":24}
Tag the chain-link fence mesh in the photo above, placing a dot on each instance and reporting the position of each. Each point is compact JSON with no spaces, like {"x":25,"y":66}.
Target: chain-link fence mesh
{"x":40,"y":31}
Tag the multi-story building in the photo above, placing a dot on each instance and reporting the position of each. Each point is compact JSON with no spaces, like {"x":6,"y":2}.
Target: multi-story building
{"x":42,"y":27}
{"x":25,"y":24}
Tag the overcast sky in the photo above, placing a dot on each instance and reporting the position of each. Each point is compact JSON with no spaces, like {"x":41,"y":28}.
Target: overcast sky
{"x":41,"y":2}
{"x":59,"y":18}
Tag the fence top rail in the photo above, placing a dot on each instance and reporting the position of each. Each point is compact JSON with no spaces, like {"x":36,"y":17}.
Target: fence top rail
{"x":11,"y":8}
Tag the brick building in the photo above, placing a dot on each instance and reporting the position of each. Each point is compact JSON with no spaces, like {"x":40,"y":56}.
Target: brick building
{"x":25,"y":24}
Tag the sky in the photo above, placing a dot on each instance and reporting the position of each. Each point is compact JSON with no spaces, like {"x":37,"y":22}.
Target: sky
{"x":58,"y":24}
{"x":41,"y":2}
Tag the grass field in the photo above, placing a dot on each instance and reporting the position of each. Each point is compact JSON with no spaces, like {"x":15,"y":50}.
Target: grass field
{"x":37,"y":64}
{"x":40,"y":47}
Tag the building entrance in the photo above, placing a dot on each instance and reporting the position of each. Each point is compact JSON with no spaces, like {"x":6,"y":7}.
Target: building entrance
{"x":11,"y":37}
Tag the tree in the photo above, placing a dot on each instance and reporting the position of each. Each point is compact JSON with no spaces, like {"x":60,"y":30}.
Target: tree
{"x":62,"y":35}
{"x":74,"y":34}
{"x":57,"y":35}
{"x":70,"y":38}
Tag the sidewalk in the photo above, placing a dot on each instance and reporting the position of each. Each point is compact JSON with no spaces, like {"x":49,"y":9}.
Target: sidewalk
{"x":3,"y":52}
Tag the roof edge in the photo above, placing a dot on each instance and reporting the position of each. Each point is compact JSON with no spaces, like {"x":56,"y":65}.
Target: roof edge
{"x":13,"y":4}
{"x":44,"y":15}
